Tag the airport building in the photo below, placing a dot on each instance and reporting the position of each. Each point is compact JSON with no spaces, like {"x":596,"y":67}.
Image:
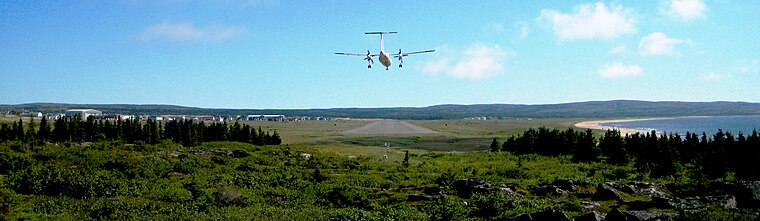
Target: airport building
{"x":264,"y":117}
{"x":83,"y":113}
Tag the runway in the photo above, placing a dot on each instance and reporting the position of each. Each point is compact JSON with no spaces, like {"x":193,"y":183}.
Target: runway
{"x":390,"y":127}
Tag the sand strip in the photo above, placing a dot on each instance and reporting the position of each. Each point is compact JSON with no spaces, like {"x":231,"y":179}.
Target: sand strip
{"x":597,"y":125}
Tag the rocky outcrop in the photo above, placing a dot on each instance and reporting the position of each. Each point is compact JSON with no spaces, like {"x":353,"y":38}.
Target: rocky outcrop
{"x":606,"y":192}
{"x":466,"y":187}
{"x":747,"y":194}
{"x":548,"y":214}
{"x":549,"y":190}
{"x":591,"y":216}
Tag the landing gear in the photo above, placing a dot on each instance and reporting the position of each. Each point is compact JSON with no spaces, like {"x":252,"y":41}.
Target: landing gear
{"x":386,"y":68}
{"x":369,"y":66}
{"x":399,"y":65}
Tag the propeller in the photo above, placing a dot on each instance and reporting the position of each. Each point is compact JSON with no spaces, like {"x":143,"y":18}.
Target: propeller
{"x":369,"y":57}
{"x":400,"y":57}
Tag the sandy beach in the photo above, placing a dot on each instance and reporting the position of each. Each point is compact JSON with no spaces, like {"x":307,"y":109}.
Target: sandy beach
{"x":597,"y":125}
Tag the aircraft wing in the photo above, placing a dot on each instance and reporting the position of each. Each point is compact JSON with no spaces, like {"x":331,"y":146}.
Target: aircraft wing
{"x":417,"y":52}
{"x":355,"y":54}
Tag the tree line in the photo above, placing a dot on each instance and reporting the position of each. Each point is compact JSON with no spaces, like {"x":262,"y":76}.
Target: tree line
{"x":720,"y":155}
{"x":185,"y":132}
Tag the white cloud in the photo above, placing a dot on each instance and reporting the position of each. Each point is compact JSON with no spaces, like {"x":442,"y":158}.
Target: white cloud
{"x":590,"y":21}
{"x":658,"y":43}
{"x":713,"y":76}
{"x":189,"y":32}
{"x":685,"y":9}
{"x":478,"y":62}
{"x":749,"y":67}
{"x":618,"y":50}
{"x":494,"y":28}
{"x":618,"y":69}
{"x":524,"y":29}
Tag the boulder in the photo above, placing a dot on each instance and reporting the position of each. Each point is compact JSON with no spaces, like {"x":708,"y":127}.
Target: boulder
{"x":467,"y":187}
{"x":569,"y":185}
{"x":650,"y":216}
{"x":617,"y":215}
{"x":748,"y":194}
{"x":590,"y":205}
{"x":591,"y":216}
{"x":549,"y":214}
{"x":626,"y":188}
{"x":549,"y":190}
{"x":697,"y":202}
{"x":606,"y":192}
{"x":522,"y":217}
{"x":725,"y":201}
{"x":664,"y":202}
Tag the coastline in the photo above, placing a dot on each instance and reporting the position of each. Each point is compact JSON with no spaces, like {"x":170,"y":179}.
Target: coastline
{"x":597,"y":125}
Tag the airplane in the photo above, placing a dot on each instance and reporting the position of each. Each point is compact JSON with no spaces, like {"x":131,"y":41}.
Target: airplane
{"x":385,"y":58}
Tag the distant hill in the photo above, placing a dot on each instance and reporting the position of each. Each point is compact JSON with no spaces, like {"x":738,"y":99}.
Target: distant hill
{"x":593,"y":109}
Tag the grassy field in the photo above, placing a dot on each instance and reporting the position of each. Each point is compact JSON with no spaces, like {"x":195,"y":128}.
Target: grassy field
{"x":454,"y":136}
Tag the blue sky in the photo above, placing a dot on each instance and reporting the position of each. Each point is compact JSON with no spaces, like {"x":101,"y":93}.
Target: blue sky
{"x":279,"y":54}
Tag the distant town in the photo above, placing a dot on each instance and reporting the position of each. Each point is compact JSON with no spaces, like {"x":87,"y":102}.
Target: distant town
{"x":99,"y":115}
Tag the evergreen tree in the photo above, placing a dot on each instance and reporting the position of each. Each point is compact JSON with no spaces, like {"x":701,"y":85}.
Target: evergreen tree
{"x":30,"y":133}
{"x":611,"y":145}
{"x":510,"y":145}
{"x":20,"y":131}
{"x":586,"y":150}
{"x":44,"y":132}
{"x":3,"y":132}
{"x":405,"y":163}
{"x":495,"y":145}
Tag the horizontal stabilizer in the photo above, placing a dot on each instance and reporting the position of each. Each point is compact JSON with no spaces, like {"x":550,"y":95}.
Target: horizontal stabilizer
{"x":380,"y":32}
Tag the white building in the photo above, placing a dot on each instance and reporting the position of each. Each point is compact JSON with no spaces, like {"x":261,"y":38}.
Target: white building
{"x":156,"y":118}
{"x":83,"y":113}
{"x":31,"y":114}
{"x":265,"y":117}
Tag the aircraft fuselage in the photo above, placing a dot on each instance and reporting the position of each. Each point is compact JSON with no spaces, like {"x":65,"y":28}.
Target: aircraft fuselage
{"x":385,"y":59}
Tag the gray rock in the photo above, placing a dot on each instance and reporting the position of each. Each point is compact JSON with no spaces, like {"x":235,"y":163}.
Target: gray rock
{"x":467,"y":187}
{"x":549,"y":214}
{"x":650,"y":216}
{"x":522,"y":217}
{"x":617,"y":215}
{"x":748,"y":194}
{"x":725,"y":201}
{"x":626,"y":188}
{"x":591,"y":216}
{"x":664,"y":202}
{"x":606,"y":192}
{"x":569,"y":185}
{"x":590,"y":205}
{"x":549,"y":190}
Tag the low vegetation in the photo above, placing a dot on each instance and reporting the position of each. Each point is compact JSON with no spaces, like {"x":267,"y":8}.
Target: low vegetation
{"x":234,"y":180}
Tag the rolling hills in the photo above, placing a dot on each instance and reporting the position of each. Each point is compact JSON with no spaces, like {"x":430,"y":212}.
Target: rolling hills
{"x":592,"y":109}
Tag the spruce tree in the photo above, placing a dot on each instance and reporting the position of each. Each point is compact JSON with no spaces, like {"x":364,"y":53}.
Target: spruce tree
{"x":405,"y":163}
{"x":44,"y":132}
{"x":495,"y":145}
{"x":20,"y":131}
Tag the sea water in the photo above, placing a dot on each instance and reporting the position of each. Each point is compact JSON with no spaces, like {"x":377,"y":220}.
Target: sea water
{"x":709,"y":125}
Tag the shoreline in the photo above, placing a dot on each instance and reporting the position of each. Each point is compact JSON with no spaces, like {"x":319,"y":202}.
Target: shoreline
{"x":597,"y":125}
